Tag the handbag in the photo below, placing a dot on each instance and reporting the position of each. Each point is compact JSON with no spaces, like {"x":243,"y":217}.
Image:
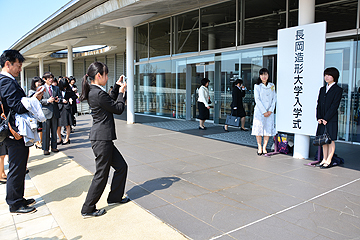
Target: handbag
{"x":232,"y":120}
{"x":322,"y":139}
{"x":5,"y":127}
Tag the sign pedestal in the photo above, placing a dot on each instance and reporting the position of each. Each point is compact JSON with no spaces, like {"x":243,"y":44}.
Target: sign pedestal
{"x":301,"y":146}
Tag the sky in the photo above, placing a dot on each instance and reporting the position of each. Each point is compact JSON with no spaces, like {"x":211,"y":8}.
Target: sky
{"x":20,"y":16}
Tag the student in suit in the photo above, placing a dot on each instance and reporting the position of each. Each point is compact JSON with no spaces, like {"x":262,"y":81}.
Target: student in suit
{"x":11,"y":94}
{"x":102,"y":134}
{"x":327,"y":113}
{"x":50,"y":108}
{"x":237,"y":104}
{"x":66,"y":117}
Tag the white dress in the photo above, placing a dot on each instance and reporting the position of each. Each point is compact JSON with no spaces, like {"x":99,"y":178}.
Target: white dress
{"x":265,"y":100}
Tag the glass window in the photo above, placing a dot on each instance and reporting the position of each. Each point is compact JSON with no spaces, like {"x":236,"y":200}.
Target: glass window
{"x":293,"y":12}
{"x":179,"y":76}
{"x":339,"y":16}
{"x":186,"y":32}
{"x":141,"y":42}
{"x":160,"y":38}
{"x":218,"y":26}
{"x":355,"y":126}
{"x":263,"y":19}
{"x":154,"y":91}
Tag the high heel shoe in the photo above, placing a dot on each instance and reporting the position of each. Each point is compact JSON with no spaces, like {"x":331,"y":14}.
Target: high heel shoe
{"x":225,"y":129}
{"x":37,"y":146}
{"x":68,"y":142}
{"x":60,"y":142}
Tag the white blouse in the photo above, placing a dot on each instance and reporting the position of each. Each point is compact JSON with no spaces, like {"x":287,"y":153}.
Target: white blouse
{"x":204,"y":95}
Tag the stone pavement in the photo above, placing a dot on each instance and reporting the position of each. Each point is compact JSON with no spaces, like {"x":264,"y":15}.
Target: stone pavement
{"x":203,"y":188}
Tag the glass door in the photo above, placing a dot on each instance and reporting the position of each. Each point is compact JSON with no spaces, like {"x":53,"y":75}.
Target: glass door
{"x":198,"y":72}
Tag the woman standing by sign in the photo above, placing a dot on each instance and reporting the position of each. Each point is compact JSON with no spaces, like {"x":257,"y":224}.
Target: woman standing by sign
{"x":327,"y":113}
{"x":265,"y":99}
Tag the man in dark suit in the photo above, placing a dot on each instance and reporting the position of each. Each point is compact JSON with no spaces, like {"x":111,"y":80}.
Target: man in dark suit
{"x":11,"y":94}
{"x":50,"y":108}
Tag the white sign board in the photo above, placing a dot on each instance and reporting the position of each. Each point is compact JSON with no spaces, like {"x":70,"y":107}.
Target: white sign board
{"x":301,"y":58}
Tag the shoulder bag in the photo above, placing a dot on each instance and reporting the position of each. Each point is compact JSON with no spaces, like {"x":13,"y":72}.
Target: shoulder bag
{"x":5,"y":127}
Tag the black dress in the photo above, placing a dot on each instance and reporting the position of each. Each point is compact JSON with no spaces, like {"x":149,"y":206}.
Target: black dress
{"x":237,"y":96}
{"x":327,"y":109}
{"x":66,"y":116}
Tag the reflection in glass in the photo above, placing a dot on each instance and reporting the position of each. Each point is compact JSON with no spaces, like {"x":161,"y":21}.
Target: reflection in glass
{"x":186,"y":32}
{"x":141,"y":42}
{"x":263,"y":19}
{"x":160,"y":38}
{"x":340,"y":15}
{"x":218,"y":25}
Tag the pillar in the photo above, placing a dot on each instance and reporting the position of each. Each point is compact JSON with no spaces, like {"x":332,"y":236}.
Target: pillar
{"x":306,"y":16}
{"x":130,"y":74}
{"x":70,"y":71}
{"x":22,"y":79}
{"x":41,"y":67}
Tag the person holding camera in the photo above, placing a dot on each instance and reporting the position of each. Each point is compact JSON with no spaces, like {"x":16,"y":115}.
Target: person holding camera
{"x":50,"y":108}
{"x":102,"y":134}
{"x":237,"y":104}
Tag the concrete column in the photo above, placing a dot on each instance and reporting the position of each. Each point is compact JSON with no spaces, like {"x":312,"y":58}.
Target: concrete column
{"x":306,"y":16}
{"x":130,"y":74}
{"x":41,"y":67}
{"x":70,"y":71}
{"x":22,"y":79}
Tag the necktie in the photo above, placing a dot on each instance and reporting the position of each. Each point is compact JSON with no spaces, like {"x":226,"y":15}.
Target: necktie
{"x":50,"y":91}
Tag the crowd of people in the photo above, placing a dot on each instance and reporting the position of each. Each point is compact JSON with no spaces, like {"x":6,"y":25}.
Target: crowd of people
{"x":55,"y":103}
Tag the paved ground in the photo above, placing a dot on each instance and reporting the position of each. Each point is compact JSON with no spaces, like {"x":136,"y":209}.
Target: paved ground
{"x":203,"y":188}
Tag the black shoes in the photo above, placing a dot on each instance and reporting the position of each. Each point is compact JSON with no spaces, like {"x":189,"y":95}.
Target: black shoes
{"x":225,"y":129}
{"x":124,"y":200}
{"x":46,"y":152}
{"x":55,"y":150}
{"x":29,"y":202}
{"x":68,"y":142}
{"x":24,"y":210}
{"x":95,"y":213}
{"x":244,"y":129}
{"x":60,"y":142}
{"x":204,"y":128}
{"x":259,"y":154}
{"x":325,"y":165}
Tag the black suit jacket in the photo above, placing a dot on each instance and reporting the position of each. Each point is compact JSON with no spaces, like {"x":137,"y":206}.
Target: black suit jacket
{"x":67,"y":96}
{"x":237,"y":97}
{"x":103,"y":106}
{"x":328,"y":103}
{"x":11,"y":94}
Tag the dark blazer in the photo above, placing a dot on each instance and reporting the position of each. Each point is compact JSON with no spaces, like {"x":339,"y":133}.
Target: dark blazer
{"x":328,"y":103}
{"x":237,"y":96}
{"x":51,"y":109}
{"x":11,"y":94}
{"x":68,"y":95}
{"x":103,"y":106}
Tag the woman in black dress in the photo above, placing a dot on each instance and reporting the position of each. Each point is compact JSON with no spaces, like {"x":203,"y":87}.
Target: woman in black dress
{"x":66,"y":118}
{"x":327,"y":113}
{"x":102,"y":134}
{"x":237,"y":107}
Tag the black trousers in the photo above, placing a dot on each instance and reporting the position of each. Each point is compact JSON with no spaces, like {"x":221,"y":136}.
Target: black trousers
{"x":18,"y":156}
{"x":106,"y":155}
{"x":49,"y":126}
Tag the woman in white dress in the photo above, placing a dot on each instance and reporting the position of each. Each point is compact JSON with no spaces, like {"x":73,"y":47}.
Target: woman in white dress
{"x":265,"y":100}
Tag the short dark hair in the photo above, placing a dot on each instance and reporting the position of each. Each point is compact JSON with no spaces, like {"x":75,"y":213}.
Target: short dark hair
{"x":72,"y":78}
{"x":48,"y":75}
{"x":33,"y":81}
{"x":237,"y":81}
{"x":261,"y":72}
{"x":332,"y":72}
{"x":204,"y":81}
{"x":11,"y":56}
{"x":63,"y":85}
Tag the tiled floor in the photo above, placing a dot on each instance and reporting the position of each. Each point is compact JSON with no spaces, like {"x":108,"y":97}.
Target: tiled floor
{"x":38,"y":225}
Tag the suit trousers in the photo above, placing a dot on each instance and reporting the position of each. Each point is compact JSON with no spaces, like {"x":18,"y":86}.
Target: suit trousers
{"x":106,"y":155}
{"x":18,"y":156}
{"x":49,"y":126}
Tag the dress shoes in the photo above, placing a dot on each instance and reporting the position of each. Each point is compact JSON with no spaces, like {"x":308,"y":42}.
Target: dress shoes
{"x":244,"y":129}
{"x":23,"y":210}
{"x":326,"y":166}
{"x":122,"y":201}
{"x":68,"y":142}
{"x":55,"y":150}
{"x":46,"y":152}
{"x":259,"y":154}
{"x":202,"y":128}
{"x":30,"y":202}
{"x":95,"y":213}
{"x":60,"y":142}
{"x":225,"y":129}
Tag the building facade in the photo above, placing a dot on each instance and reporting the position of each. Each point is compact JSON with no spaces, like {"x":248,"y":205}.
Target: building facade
{"x":181,"y":43}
